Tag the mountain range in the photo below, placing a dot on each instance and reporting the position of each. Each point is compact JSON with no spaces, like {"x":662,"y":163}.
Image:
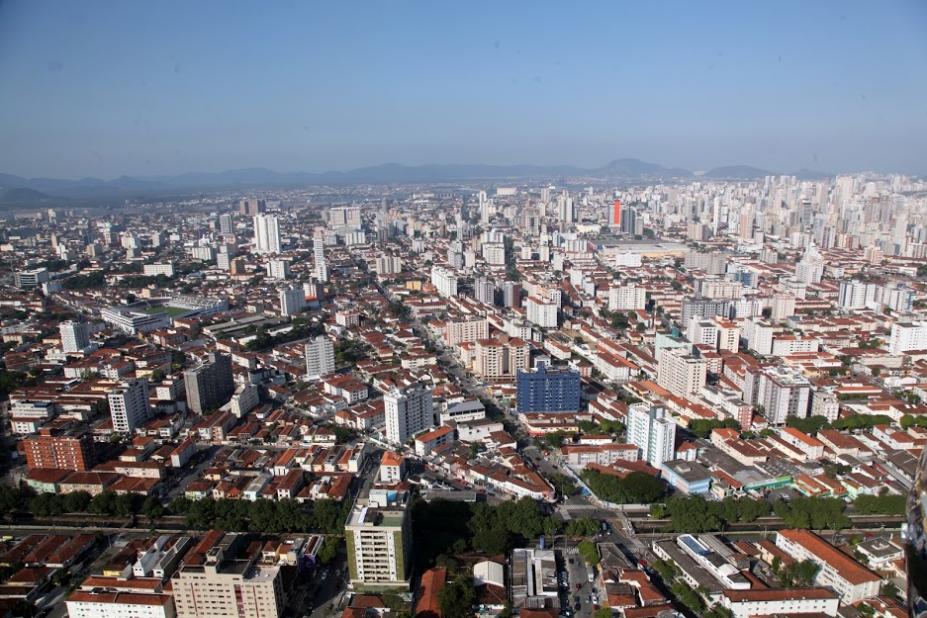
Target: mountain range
{"x":35,"y":191}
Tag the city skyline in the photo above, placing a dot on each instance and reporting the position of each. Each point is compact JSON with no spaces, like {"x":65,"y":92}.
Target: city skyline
{"x":828,"y":87}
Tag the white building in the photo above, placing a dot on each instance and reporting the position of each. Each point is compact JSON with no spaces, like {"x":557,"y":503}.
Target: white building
{"x":541,"y":312}
{"x":776,"y":602}
{"x":681,"y":373}
{"x":445,"y":281}
{"x":90,"y":604}
{"x":468,"y":329}
{"x":320,"y":357}
{"x":75,"y":336}
{"x":266,"y":234}
{"x":850,"y":579}
{"x":408,"y":412}
{"x":128,"y":405}
{"x":292,"y":300}
{"x":652,"y":432}
{"x":627,"y":297}
{"x":153,"y":270}
{"x":278,"y":269}
{"x":907,"y":337}
{"x":781,"y":391}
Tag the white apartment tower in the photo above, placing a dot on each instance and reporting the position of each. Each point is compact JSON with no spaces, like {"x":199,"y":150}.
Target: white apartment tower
{"x":266,"y":234}
{"x":408,"y":411}
{"x":292,"y":300}
{"x":128,"y":405}
{"x":320,"y":357}
{"x":652,"y":432}
{"x":75,"y":336}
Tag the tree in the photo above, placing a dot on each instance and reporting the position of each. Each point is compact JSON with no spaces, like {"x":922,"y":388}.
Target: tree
{"x":584,"y":526}
{"x":152,"y":508}
{"x":329,"y":549}
{"x":602,"y":612}
{"x":588,"y":551}
{"x":880,"y":505}
{"x":635,"y":488}
{"x":456,"y":599}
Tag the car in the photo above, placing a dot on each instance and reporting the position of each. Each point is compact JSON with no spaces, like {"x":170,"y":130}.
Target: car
{"x":571,"y":561}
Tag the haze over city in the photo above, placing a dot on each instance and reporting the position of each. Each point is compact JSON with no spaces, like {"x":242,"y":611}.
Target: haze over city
{"x":108,"y":89}
{"x":463,"y":310}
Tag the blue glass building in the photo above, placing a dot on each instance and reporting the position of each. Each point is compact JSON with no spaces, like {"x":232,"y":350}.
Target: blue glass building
{"x":548,"y":390}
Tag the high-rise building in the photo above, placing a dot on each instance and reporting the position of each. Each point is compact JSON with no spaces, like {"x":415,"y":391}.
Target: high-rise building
{"x":210,"y":385}
{"x":251,"y":207}
{"x":75,"y":336}
{"x":227,"y":578}
{"x":652,"y":432}
{"x":341,"y":217}
{"x":320,"y":357}
{"x":444,"y":280}
{"x":320,"y":266}
{"x":496,"y":360}
{"x":292,"y":300}
{"x":627,"y":297}
{"x":64,"y":448}
{"x":378,"y":535}
{"x":615,"y":214}
{"x":278,"y":269}
{"x":541,"y":312}
{"x":548,"y":390}
{"x":781,"y":391}
{"x":266,"y":234}
{"x":387,"y":265}
{"x":465,"y":330}
{"x":128,"y":405}
{"x":681,"y":373}
{"x":908,"y":337}
{"x":628,"y":220}
{"x":407,"y":412}
{"x":511,"y":295}
{"x":484,"y":291}
{"x":226,"y":225}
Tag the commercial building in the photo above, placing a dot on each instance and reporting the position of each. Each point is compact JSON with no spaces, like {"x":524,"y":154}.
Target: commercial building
{"x":653,"y":432}
{"x":407,"y":412}
{"x":134,"y":322}
{"x":379,"y":541}
{"x":548,"y":390}
{"x":33,"y":278}
{"x":320,"y":357}
{"x":533,"y":578}
{"x":128,"y":405}
{"x":210,"y":385}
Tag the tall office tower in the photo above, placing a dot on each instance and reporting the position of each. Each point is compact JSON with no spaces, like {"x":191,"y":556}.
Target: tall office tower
{"x":210,"y":385}
{"x":378,"y":535}
{"x":511,"y":295}
{"x":445,"y":281}
{"x":292,"y":300}
{"x":548,"y":390}
{"x":680,"y":372}
{"x":128,"y":405}
{"x":484,"y":291}
{"x":225,"y":224}
{"x":266,"y":234}
{"x":652,"y":432}
{"x":278,"y":269}
{"x":811,"y":267}
{"x":320,"y":267}
{"x":408,"y":411}
{"x":75,"y":336}
{"x":227,"y":578}
{"x":614,"y":219}
{"x":320,"y":357}
{"x":628,"y":220}
{"x":782,"y":391}
{"x":485,"y":207}
{"x":252,"y":207}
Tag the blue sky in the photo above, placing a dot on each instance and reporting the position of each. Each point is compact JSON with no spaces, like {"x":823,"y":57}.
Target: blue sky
{"x":141,"y":88}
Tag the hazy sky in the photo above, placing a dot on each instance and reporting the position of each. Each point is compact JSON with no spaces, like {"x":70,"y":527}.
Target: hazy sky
{"x":139,"y":88}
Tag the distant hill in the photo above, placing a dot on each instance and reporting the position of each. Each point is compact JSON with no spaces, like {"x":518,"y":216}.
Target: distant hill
{"x":257,"y":177}
{"x":22,"y":196}
{"x":736,"y":172}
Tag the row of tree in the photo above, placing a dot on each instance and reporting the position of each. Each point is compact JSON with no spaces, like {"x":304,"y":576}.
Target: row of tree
{"x":634,"y":488}
{"x":262,"y":515}
{"x":695,"y":514}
